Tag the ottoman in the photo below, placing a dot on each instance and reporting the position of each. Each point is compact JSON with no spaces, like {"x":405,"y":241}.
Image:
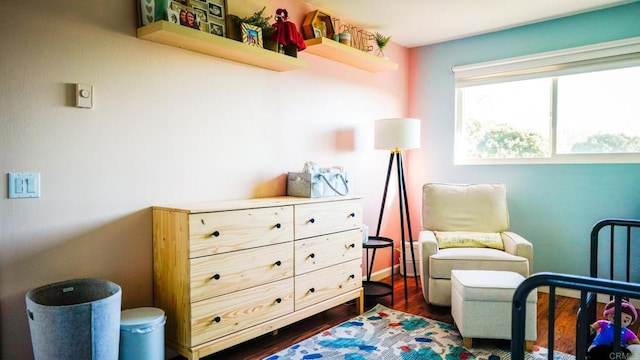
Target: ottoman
{"x":481,"y":305}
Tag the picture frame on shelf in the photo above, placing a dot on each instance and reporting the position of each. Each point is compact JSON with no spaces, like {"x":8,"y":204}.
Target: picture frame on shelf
{"x":217,"y":29}
{"x":172,"y":17}
{"x":216,"y":10}
{"x":150,"y":11}
{"x":317,"y":24}
{"x":251,"y":35}
{"x":216,"y":15}
{"x":186,"y":15}
{"x":202,"y":14}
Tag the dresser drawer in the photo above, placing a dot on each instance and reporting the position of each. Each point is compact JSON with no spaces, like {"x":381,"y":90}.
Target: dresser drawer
{"x":322,"y":251}
{"x":219,"y":274}
{"x":225,"y":231}
{"x":324,"y":284}
{"x":327,"y":217}
{"x":223,"y":315}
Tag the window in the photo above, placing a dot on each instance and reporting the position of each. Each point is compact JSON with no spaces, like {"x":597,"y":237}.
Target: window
{"x":573,"y":106}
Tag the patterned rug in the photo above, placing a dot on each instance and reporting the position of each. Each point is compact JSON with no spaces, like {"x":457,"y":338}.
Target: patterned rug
{"x":383,"y":333}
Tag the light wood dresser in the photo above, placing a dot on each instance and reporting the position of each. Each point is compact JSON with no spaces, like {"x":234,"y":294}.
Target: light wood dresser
{"x":226,"y":272}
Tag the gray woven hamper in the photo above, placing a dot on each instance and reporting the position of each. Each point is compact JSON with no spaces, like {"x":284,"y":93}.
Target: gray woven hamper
{"x":75,"y":319}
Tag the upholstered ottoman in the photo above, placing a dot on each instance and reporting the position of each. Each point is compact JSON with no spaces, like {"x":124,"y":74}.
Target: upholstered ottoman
{"x":481,"y":305}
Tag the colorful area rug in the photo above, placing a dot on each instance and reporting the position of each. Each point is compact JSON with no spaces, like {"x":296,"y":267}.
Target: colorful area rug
{"x":383,"y":333}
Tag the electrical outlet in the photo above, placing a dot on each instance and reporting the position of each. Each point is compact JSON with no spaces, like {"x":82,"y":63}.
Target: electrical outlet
{"x":24,"y":185}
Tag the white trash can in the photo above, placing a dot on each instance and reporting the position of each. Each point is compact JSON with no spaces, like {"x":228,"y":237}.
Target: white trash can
{"x":142,"y":334}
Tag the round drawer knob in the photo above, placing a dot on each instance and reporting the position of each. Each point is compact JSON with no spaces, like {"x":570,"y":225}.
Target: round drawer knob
{"x":278,"y":225}
{"x":278,"y":263}
{"x":278,"y":300}
{"x":216,"y":277}
{"x":352,"y":276}
{"x":312,"y":220}
{"x":352,"y":215}
{"x":352,"y":246}
{"x":217,"y":319}
{"x":312,"y":255}
{"x":216,"y":233}
{"x":312,"y":290}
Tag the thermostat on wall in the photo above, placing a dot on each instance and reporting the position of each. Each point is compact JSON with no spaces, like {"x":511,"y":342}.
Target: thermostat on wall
{"x":84,"y":96}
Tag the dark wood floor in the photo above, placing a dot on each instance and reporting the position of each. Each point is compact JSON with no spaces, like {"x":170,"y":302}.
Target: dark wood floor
{"x":566,"y":309}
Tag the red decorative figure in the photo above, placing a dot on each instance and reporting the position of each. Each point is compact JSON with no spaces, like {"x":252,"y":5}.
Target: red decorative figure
{"x":287,"y":35}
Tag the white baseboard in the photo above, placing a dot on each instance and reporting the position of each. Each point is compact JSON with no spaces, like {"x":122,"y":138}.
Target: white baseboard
{"x":384,"y":273}
{"x":602,"y":298}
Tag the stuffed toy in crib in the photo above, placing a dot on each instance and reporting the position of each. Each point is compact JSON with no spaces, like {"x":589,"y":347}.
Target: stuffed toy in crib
{"x":602,"y":345}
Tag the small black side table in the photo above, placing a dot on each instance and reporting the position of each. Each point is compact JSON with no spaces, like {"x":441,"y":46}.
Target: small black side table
{"x":377,"y":288}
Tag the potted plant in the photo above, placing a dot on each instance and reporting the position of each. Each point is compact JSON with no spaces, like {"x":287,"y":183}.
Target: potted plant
{"x":381,"y":41}
{"x":257,"y":19}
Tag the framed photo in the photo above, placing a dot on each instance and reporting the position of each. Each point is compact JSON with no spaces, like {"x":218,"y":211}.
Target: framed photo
{"x":186,"y":15}
{"x":201,"y":14}
{"x":217,"y":29}
{"x":172,"y":16}
{"x":216,"y":10}
{"x":251,"y":35}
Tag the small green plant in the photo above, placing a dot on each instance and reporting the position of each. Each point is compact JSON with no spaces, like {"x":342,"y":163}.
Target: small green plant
{"x":257,"y":19}
{"x":381,"y":41}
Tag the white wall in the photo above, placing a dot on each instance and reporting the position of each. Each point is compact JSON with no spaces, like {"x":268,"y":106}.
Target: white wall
{"x":167,"y":126}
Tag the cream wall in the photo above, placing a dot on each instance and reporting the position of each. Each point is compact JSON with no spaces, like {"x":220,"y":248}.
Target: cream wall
{"x":167,"y":126}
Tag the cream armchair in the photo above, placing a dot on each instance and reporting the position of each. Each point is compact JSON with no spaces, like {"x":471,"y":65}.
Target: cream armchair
{"x":465,"y":227}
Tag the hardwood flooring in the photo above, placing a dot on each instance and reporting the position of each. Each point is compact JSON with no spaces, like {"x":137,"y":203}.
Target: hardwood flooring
{"x":263,"y":346}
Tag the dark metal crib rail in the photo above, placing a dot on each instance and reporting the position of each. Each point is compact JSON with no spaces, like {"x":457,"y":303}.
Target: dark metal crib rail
{"x":585,"y":285}
{"x":615,"y":236}
{"x":598,"y":237}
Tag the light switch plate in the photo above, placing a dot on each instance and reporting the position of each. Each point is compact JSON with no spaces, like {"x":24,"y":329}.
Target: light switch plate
{"x":24,"y":185}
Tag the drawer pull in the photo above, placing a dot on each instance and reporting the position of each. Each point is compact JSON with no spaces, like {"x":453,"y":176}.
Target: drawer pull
{"x":352,"y":215}
{"x":312,"y":220}
{"x":312,"y":255}
{"x":215,"y":277}
{"x":217,"y":319}
{"x":312,"y":290}
{"x":278,"y":263}
{"x":352,"y":276}
{"x":352,"y":246}
{"x":216,"y":233}
{"x":278,"y":226}
{"x":278,"y":300}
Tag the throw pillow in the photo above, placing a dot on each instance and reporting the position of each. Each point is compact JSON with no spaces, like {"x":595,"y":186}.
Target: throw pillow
{"x":451,"y":239}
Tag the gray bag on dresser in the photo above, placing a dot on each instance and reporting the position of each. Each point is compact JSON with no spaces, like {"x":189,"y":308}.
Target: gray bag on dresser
{"x":316,"y":185}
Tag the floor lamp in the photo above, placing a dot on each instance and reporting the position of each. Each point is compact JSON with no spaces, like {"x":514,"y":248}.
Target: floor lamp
{"x":397,"y":135}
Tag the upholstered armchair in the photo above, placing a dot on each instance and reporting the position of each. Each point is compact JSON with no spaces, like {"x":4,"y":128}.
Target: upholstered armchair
{"x":465,"y":227}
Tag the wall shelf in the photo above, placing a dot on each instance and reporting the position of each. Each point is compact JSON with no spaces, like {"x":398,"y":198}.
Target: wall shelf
{"x":336,"y":51}
{"x":171,"y":34}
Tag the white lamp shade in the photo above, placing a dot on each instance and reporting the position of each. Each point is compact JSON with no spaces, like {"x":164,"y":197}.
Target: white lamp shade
{"x":400,"y":133}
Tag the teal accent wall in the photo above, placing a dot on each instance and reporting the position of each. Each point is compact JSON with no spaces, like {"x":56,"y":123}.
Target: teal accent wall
{"x":554,"y":206}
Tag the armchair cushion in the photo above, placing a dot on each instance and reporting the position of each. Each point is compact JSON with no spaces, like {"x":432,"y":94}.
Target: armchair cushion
{"x":461,"y":207}
{"x":441,"y":264}
{"x":450,"y":239}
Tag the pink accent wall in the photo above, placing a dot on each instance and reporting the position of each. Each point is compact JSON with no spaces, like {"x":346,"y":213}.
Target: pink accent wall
{"x":168,"y":126}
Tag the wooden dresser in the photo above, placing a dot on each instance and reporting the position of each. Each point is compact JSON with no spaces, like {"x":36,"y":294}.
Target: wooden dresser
{"x":226,"y":272}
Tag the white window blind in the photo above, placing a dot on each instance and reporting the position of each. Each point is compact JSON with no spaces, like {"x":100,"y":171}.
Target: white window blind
{"x":602,"y":56}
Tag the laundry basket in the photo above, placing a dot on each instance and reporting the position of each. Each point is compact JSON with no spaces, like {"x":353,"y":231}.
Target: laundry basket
{"x":75,"y":319}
